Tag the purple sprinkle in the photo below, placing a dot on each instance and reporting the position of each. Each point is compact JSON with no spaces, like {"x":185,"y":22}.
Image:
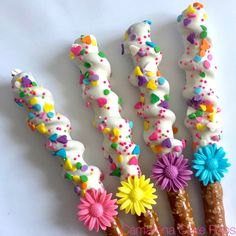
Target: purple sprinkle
{"x":129,"y":31}
{"x":166,"y":143}
{"x":122,"y":49}
{"x":142,"y":80}
{"x":186,"y":21}
{"x":94,"y":77}
{"x":133,"y":37}
{"x":62,"y":139}
{"x":141,"y":52}
{"x":164,"y":104}
{"x":77,"y":189}
{"x":191,"y":37}
{"x":26,"y":82}
{"x":84,"y":168}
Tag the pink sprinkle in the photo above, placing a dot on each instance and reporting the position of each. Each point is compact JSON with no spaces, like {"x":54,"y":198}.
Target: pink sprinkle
{"x":210,"y":57}
{"x":177,"y":149}
{"x":206,"y":64}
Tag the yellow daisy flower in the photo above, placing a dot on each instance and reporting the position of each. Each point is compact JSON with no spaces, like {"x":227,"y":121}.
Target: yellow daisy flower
{"x":136,"y":194}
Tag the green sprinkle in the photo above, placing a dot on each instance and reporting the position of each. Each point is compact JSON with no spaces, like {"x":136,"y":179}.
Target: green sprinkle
{"x":106,"y":91}
{"x":102,"y":54}
{"x":192,"y":116}
{"x":120,"y":101}
{"x":86,"y":74}
{"x":82,"y":52}
{"x":87,"y":64}
{"x":83,"y":178}
{"x":78,"y":165}
{"x":167,"y":97}
{"x":34,"y":84}
{"x":203,"y":34}
{"x":202,"y":74}
{"x":204,"y":28}
{"x":69,"y":176}
{"x":114,"y":145}
{"x":154,"y":98}
{"x":157,"y":49}
{"x":22,"y":94}
{"x":199,"y":113}
{"x":116,"y":172}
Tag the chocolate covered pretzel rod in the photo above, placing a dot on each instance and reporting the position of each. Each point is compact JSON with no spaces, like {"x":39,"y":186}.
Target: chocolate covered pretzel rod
{"x":96,"y":209}
{"x":171,"y":171}
{"x":202,"y":115}
{"x":136,"y":193}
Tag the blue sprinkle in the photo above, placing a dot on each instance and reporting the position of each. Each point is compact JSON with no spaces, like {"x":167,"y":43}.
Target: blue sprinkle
{"x":31,"y":115}
{"x":19,"y":104}
{"x":86,"y":81}
{"x":179,"y":18}
{"x":50,"y":114}
{"x":197,"y":90}
{"x":53,"y":138}
{"x":161,"y":80}
{"x":148,"y":22}
{"x":197,"y":58}
{"x":60,"y":153}
{"x":131,"y":124}
{"x":136,"y":150}
{"x":37,"y":107}
{"x":151,"y":44}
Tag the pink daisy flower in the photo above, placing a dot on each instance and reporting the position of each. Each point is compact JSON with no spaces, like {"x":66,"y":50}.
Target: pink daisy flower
{"x":97,"y":209}
{"x":171,"y":172}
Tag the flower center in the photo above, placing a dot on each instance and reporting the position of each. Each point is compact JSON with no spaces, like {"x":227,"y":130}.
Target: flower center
{"x":96,"y":210}
{"x":212,"y":164}
{"x":136,"y":194}
{"x":171,"y":172}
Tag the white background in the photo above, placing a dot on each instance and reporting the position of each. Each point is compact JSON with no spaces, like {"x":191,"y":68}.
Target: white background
{"x":36,"y":36}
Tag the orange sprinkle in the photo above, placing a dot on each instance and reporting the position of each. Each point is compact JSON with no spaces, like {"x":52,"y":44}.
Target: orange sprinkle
{"x":83,"y":185}
{"x":86,"y":39}
{"x":194,"y":146}
{"x":209,"y":108}
{"x":198,"y":5}
{"x":175,"y":130}
{"x":115,"y":139}
{"x":158,"y":73}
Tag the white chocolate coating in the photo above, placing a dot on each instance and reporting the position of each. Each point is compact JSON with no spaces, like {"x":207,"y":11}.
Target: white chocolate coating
{"x":153,"y":105}
{"x":202,"y":116}
{"x":95,"y":70}
{"x":42,"y":116}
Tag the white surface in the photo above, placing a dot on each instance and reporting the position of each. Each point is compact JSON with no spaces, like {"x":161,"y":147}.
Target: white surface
{"x":36,"y":36}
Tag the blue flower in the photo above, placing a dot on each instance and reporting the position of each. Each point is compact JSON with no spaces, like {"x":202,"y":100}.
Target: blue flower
{"x":210,"y":164}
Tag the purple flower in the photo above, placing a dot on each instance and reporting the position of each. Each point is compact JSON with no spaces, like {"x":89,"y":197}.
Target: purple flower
{"x":171,"y":172}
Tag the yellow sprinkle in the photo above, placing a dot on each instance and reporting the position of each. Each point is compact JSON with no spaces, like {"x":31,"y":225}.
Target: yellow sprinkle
{"x":68,"y":166}
{"x":71,"y":56}
{"x":200,"y":126}
{"x":126,"y":35}
{"x":150,"y":73}
{"x":119,"y":158}
{"x":203,"y":107}
{"x":106,"y":130}
{"x":212,"y":117}
{"x":76,"y":179}
{"x":33,"y":101}
{"x":42,"y":128}
{"x":48,"y":107}
{"x":146,"y":125}
{"x":156,"y":148}
{"x":190,"y":10}
{"x":94,"y":83}
{"x":93,"y":42}
{"x":151,"y":84}
{"x":116,"y":132}
{"x":142,"y":99}
{"x":137,"y":71}
{"x":205,"y":16}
